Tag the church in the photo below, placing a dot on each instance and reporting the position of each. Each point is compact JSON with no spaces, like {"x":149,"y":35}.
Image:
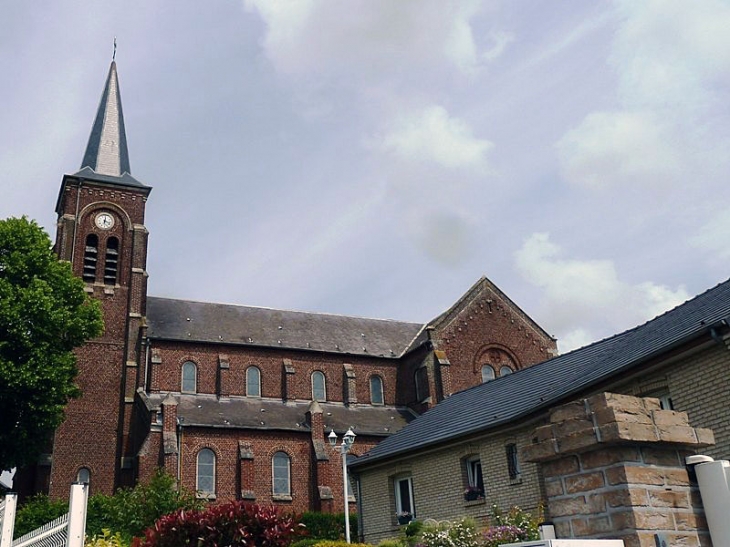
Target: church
{"x":237,"y":402}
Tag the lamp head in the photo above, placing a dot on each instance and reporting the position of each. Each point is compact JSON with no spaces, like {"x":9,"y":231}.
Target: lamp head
{"x":349,"y":438}
{"x":332,"y":437}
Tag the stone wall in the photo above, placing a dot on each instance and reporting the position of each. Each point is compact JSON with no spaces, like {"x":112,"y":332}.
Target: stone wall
{"x":613,"y":467}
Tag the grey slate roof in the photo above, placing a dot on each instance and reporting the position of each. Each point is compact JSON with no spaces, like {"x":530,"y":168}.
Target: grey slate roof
{"x":518,"y":395}
{"x":272,"y":414}
{"x":185,"y":320}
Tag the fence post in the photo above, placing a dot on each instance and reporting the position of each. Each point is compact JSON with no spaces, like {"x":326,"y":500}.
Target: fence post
{"x":8,"y":520}
{"x":77,"y":515}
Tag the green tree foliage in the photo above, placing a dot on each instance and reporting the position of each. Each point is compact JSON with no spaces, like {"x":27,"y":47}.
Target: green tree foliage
{"x":36,"y":512}
{"x":327,"y":525}
{"x":44,"y":315}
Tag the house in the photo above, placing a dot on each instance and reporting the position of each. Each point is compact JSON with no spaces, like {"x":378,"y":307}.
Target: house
{"x":480,"y":439}
{"x":236,"y":401}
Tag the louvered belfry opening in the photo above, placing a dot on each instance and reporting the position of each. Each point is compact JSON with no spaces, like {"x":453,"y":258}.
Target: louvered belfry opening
{"x":91,"y":252}
{"x":111,"y":261}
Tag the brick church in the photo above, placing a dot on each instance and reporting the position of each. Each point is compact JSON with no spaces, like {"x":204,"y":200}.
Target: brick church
{"x":236,"y":401}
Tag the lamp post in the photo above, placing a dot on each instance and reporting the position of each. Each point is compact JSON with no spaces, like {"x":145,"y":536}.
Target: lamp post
{"x":347,"y":440}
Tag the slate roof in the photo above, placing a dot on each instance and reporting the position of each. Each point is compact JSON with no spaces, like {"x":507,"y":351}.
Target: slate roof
{"x":271,"y":414}
{"x":185,"y":320}
{"x":518,"y":395}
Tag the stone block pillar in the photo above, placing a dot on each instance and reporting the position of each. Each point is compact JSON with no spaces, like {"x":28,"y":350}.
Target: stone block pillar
{"x":613,"y":467}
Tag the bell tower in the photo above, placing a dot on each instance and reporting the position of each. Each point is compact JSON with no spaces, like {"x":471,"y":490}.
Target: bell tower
{"x":101,"y":232}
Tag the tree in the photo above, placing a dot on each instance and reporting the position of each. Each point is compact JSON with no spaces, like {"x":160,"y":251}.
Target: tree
{"x":44,"y":315}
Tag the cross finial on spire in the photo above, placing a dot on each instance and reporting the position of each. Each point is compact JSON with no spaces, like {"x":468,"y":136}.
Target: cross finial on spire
{"x":114,"y":55}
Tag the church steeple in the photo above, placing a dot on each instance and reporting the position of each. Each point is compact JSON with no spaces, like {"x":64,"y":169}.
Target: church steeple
{"x":106,"y":152}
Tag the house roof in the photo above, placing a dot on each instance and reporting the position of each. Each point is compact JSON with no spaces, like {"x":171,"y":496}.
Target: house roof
{"x":191,"y":321}
{"x":518,"y":395}
{"x":271,"y":414}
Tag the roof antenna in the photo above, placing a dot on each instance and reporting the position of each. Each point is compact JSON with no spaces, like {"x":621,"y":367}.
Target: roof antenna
{"x":114,"y":55}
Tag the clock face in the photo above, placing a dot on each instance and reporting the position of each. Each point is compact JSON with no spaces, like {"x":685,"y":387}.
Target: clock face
{"x":105,"y":221}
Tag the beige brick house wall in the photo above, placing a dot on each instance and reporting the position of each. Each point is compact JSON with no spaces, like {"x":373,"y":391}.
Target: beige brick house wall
{"x":439,"y":478}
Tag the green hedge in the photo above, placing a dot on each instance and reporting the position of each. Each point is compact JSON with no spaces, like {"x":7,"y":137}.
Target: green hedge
{"x":328,"y":525}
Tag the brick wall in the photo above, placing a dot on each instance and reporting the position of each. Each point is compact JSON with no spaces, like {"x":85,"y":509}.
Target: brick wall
{"x":439,"y":478}
{"x":614,"y":468}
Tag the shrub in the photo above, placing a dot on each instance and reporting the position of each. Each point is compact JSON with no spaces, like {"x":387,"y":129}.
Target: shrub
{"x":393,"y":543}
{"x":106,"y":539}
{"x":517,"y":525}
{"x":306,"y":542}
{"x":36,"y":512}
{"x":231,"y":524}
{"x":327,"y":525}
{"x":461,"y":533}
{"x":339,"y":543}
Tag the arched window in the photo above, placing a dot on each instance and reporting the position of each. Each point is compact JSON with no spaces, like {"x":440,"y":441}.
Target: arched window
{"x":83,"y":476}
{"x":111,"y":260}
{"x":91,"y":252}
{"x":281,"y":474}
{"x":189,"y":377}
{"x":253,"y":382}
{"x":505,"y":370}
{"x":205,"y":475}
{"x":376,"y":390}
{"x":319,"y":389}
{"x":487,"y":373}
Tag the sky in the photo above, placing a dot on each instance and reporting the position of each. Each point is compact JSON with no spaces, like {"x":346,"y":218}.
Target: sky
{"x":376,"y":158}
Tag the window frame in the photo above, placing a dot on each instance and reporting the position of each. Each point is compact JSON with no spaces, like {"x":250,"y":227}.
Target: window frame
{"x":80,"y":479}
{"x":202,"y":492}
{"x":420,"y":379}
{"x":513,"y":462}
{"x":397,"y":494}
{"x":251,"y":369}
{"x":319,"y":374}
{"x":504,"y":368}
{"x":474,"y":473}
{"x":379,"y":391}
{"x":491,"y":369}
{"x":276,"y":479}
{"x":183,"y":388}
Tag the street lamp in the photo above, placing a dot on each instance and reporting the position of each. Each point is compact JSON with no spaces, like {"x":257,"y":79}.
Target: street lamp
{"x":347,"y":440}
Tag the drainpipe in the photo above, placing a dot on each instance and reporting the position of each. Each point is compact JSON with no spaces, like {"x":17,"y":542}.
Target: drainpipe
{"x":76,"y":221}
{"x":713,"y":478}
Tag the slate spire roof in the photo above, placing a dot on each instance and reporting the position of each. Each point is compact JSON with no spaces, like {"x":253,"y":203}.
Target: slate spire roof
{"x":106,"y":157}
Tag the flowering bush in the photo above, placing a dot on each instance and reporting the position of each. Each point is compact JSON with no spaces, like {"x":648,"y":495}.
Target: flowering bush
{"x":462,"y":533}
{"x":517,"y":525}
{"x":231,"y":524}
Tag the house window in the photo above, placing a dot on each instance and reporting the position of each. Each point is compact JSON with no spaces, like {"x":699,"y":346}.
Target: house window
{"x":513,"y":463}
{"x":421,"y":380}
{"x":505,"y":370}
{"x":319,"y":391}
{"x":281,"y":474}
{"x":189,"y":377}
{"x":404,"y":507}
{"x":475,"y":481}
{"x":91,"y":252}
{"x":83,"y":476}
{"x":665,"y":401}
{"x":253,"y":382}
{"x":206,"y":472}
{"x":111,"y":261}
{"x":376,"y":390}
{"x":487,"y":374}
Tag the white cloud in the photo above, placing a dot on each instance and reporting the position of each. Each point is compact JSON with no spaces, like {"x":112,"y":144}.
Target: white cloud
{"x":500,"y":42}
{"x":586,"y":298}
{"x":713,"y":236}
{"x":361,"y":35}
{"x":609,"y":148}
{"x":433,"y":136}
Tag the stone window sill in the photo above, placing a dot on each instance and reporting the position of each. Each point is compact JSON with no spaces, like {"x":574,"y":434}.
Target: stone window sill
{"x":281,"y":497}
{"x":469,"y":503}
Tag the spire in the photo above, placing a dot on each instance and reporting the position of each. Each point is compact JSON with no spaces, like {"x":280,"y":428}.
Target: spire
{"x":106,"y":153}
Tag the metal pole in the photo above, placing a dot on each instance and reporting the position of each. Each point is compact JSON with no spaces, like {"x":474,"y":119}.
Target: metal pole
{"x":344,"y":490}
{"x":8,"y":520}
{"x":77,"y":515}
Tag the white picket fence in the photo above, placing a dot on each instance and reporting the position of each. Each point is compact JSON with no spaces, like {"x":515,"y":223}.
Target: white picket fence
{"x":66,"y":531}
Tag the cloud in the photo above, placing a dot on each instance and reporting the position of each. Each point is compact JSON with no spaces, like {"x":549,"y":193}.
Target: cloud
{"x":501,"y":41}
{"x":609,"y":148}
{"x":587,"y":297}
{"x":432,"y":135}
{"x":359,"y":35}
{"x":713,"y":236}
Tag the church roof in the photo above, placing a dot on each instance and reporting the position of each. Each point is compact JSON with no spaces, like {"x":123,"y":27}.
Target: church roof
{"x":516,"y":396}
{"x":271,"y":414}
{"x":106,"y":157}
{"x":186,"y":320}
